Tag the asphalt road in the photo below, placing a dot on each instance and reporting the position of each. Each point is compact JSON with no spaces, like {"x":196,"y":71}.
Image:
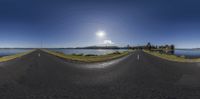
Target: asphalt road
{"x":138,"y":76}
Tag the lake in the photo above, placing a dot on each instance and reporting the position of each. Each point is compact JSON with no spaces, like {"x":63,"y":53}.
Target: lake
{"x":89,"y":51}
{"x":190,"y":53}
{"x":5,"y":52}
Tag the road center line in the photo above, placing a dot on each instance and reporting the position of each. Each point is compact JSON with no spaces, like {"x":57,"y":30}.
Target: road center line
{"x":138,"y":57}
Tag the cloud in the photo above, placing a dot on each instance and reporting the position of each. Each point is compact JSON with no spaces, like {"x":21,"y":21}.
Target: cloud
{"x":108,"y":42}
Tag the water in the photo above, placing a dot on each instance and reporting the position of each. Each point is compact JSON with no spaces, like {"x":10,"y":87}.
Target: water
{"x":179,"y":52}
{"x":5,"y":52}
{"x":89,"y":51}
{"x":188,"y":53}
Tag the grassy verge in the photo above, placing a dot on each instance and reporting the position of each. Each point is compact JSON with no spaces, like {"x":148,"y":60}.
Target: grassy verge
{"x":10,"y":57}
{"x":172,"y":57}
{"x":88,"y":58}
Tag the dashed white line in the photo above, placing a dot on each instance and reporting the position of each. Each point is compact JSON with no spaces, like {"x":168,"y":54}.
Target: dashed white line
{"x":138,"y":57}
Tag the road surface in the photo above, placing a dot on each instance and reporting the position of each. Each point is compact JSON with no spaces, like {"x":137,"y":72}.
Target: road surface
{"x":39,"y":75}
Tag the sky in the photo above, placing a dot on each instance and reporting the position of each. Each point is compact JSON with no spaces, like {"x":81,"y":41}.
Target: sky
{"x":78,"y":23}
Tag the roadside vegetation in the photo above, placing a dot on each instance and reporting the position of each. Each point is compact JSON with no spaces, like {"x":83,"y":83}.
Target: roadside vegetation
{"x":172,"y":57}
{"x":10,"y":57}
{"x":90,"y":58}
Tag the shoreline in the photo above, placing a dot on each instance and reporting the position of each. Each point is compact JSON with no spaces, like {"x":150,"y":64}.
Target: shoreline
{"x":172,"y":57}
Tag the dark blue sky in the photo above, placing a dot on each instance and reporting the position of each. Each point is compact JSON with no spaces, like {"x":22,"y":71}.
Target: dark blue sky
{"x":72,"y":23}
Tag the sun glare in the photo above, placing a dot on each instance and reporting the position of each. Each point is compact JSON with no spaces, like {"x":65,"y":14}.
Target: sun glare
{"x":100,"y":34}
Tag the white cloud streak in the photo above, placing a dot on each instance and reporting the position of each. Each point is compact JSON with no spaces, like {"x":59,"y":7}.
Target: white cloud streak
{"x":108,"y":42}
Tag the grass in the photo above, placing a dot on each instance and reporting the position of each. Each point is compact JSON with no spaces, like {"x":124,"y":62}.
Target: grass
{"x":10,"y":57}
{"x":172,"y":57}
{"x":88,"y":58}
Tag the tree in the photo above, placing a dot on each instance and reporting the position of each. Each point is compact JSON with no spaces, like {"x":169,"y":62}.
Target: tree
{"x":172,"y":47}
{"x":166,"y":46}
{"x":148,"y":46}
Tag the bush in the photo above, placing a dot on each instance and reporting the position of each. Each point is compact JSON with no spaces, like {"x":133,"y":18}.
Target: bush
{"x":91,"y":55}
{"x":116,"y":52}
{"x":77,"y":54}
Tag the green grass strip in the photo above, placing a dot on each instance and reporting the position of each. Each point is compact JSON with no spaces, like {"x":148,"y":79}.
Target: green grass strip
{"x":10,"y":57}
{"x":172,"y":57}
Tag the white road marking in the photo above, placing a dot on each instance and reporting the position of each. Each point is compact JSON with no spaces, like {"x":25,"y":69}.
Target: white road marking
{"x":138,"y":57}
{"x":38,"y":54}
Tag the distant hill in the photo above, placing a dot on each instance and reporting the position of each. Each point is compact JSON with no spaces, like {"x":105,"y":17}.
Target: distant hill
{"x":99,"y":47}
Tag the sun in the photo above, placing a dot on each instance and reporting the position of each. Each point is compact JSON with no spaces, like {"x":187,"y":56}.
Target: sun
{"x":100,"y":34}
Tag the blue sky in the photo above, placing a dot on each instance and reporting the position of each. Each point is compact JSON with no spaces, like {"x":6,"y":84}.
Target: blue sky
{"x":73,"y":23}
